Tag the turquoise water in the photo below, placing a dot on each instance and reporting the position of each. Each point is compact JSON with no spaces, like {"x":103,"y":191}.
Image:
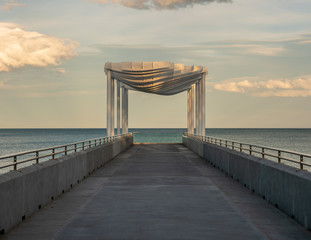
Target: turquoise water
{"x":18,"y":140}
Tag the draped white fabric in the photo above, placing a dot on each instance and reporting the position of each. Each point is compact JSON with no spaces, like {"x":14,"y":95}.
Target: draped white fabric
{"x":164,"y":78}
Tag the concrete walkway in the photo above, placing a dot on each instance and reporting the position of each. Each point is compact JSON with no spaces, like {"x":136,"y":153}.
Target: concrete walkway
{"x":159,"y":191}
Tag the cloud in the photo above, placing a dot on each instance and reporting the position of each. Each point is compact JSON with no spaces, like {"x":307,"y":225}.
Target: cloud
{"x":305,"y":42}
{"x":159,"y":4}
{"x":6,"y":85}
{"x":44,"y":89}
{"x":19,"y":48}
{"x":246,"y":48}
{"x":265,"y":51}
{"x":298,"y":87}
{"x":65,"y":93}
{"x":9,"y":4}
{"x":60,"y":70}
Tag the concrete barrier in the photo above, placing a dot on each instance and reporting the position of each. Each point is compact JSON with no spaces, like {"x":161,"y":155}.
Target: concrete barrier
{"x":287,"y":188}
{"x":25,"y":191}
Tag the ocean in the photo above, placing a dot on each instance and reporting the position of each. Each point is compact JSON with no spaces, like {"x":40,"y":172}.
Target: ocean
{"x":18,"y":140}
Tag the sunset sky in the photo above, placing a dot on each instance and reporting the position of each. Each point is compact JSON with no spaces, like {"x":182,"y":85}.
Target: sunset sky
{"x":52,"y":57}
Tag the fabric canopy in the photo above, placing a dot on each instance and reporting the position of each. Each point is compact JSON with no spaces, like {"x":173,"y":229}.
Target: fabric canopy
{"x":164,"y":78}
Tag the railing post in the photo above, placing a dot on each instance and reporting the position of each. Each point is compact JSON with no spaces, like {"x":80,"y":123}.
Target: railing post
{"x":262,"y":152}
{"x":232,"y":145}
{"x":37,"y":157}
{"x":83,"y":146}
{"x":301,"y":162}
{"x":240,"y":147}
{"x":104,"y":140}
{"x":75,"y":147}
{"x":95,"y":142}
{"x":279,"y":156}
{"x":53,"y":153}
{"x":90,"y":144}
{"x":15,"y":162}
{"x":220,"y":142}
{"x":250,"y":149}
{"x":226,"y":144}
{"x":65,"y":150}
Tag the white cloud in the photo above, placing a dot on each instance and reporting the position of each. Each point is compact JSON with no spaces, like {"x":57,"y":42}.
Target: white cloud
{"x":247,"y":47}
{"x":265,"y":51}
{"x":305,"y":42}
{"x":43,"y":89}
{"x":6,"y":85}
{"x":19,"y":48}
{"x":158,"y":4}
{"x":298,"y":87}
{"x":60,"y":70}
{"x":9,"y":4}
{"x":40,"y":94}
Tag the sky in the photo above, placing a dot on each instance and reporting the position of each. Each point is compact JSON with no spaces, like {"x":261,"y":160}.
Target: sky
{"x":258,"y":55}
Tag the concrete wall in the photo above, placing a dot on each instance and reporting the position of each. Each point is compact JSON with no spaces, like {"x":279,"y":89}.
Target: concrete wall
{"x":285,"y":187}
{"x":25,"y":191}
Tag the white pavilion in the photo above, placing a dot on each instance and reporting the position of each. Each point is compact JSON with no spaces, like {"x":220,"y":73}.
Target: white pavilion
{"x":163,"y":78}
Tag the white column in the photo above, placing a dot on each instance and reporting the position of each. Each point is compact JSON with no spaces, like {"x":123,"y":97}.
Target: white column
{"x":127,"y":111}
{"x":189,"y":111}
{"x":192,"y":108}
{"x":118,"y":107}
{"x":124,"y":110}
{"x":196,"y":107}
{"x":200,"y":108}
{"x":203,"y":103}
{"x":108,"y":103}
{"x":112,"y":107}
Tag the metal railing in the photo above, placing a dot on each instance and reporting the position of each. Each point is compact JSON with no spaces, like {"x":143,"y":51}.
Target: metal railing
{"x":12,"y":161}
{"x":294,"y":159}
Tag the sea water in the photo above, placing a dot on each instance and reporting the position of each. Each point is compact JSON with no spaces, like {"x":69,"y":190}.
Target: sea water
{"x":19,"y":140}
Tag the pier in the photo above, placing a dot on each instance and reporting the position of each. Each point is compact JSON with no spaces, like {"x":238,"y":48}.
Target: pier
{"x":110,"y":188}
{"x":159,"y":191}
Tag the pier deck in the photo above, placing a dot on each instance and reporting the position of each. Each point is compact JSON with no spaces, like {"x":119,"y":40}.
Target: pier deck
{"x":159,"y":191}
